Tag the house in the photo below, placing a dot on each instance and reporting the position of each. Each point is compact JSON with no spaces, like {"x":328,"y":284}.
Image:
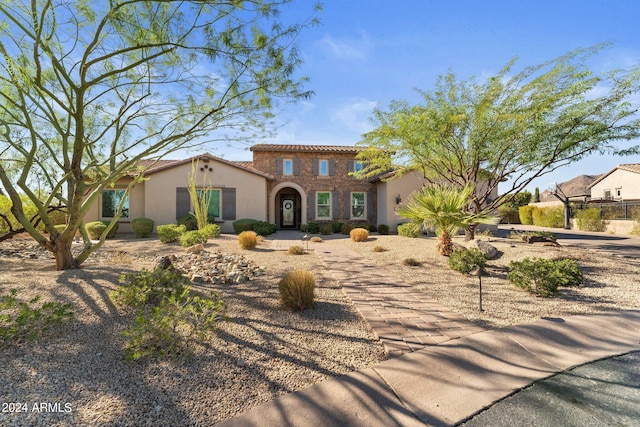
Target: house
{"x":620,"y":183}
{"x":285,"y":184}
{"x":576,"y":190}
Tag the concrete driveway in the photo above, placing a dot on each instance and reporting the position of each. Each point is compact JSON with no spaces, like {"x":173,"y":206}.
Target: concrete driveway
{"x":619,"y":245}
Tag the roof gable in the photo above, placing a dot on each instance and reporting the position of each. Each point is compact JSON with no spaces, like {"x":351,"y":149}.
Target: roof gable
{"x":629,"y":167}
{"x":155,"y":166}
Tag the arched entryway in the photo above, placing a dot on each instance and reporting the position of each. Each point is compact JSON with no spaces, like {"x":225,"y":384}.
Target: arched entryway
{"x":288,"y":206}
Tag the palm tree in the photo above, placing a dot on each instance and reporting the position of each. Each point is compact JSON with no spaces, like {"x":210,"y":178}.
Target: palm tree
{"x":443,"y":208}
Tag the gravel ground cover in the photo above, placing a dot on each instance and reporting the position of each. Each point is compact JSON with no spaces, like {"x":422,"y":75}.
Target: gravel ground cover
{"x":78,"y":370}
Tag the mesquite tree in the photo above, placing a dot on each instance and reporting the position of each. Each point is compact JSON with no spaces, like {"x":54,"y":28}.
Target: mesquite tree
{"x":89,"y":88}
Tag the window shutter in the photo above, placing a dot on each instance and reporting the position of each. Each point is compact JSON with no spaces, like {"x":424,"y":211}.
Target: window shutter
{"x":312,"y":205}
{"x":335,"y":205}
{"x":370,"y":205}
{"x":316,"y":167}
{"x":352,"y":166}
{"x":228,"y":203}
{"x":183,"y":202}
{"x":347,"y":204}
{"x":332,"y":167}
{"x":279,"y":165}
{"x":296,"y":166}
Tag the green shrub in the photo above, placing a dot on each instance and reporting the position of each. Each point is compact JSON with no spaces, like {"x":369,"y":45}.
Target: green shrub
{"x":25,"y":321}
{"x":548,"y":217}
{"x":526,"y":214}
{"x":542,"y":277}
{"x":373,"y":228}
{"x":336,"y":227}
{"x":412,"y":262}
{"x":296,"y":250}
{"x":346,"y":229}
{"x":359,"y":235}
{"x":248,"y":240}
{"x":211,"y":230}
{"x":193,"y":237}
{"x":169,"y":318}
{"x":313,"y":228}
{"x":297,"y":290}
{"x":95,"y":229}
{"x":245,"y":224}
{"x":383,"y":229}
{"x":170,"y":232}
{"x":304,"y":228}
{"x":508,"y":215}
{"x":326,"y":229}
{"x":142,"y":227}
{"x":410,"y":229}
{"x":264,"y":228}
{"x":590,"y":220}
{"x":112,"y":233}
{"x":466,"y":260}
{"x":189,"y":221}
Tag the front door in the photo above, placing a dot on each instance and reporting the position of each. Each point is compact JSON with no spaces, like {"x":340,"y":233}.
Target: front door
{"x":288,"y":211}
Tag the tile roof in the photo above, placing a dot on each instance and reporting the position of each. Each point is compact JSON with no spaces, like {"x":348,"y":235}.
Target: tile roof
{"x":575,"y":187}
{"x":153,"y":166}
{"x":630,"y":167}
{"x":307,"y":148}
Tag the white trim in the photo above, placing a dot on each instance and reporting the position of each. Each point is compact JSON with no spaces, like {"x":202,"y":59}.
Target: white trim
{"x":364,"y":206}
{"x":272,"y":201}
{"x":320,"y":163}
{"x":318,"y":217}
{"x":284,"y":167}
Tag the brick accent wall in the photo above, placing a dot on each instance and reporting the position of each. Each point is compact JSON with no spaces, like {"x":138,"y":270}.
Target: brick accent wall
{"x":306,"y":173}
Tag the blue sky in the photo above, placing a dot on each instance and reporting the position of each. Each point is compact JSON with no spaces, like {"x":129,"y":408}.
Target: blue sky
{"x":369,"y":52}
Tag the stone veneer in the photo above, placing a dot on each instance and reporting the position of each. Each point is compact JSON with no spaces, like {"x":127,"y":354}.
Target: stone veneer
{"x":340,"y":183}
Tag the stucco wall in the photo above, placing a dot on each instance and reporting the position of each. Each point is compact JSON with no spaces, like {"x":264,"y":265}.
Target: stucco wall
{"x":628,"y":183}
{"x":160,"y":191}
{"x":136,"y":206}
{"x":389,"y":190}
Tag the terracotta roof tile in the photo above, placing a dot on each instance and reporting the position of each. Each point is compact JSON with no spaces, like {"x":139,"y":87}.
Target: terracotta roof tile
{"x":306,"y":148}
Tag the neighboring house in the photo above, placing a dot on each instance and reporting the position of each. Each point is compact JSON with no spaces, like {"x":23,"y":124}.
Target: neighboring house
{"x":620,"y":183}
{"x":287,"y":185}
{"x":576,"y":190}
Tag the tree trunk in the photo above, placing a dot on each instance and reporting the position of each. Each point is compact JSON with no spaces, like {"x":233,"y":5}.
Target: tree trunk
{"x":444,"y":243}
{"x":64,"y":258}
{"x":470,"y":232}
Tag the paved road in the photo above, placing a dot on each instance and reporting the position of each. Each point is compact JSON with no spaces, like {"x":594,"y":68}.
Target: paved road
{"x":604,"y":393}
{"x":625,"y":246}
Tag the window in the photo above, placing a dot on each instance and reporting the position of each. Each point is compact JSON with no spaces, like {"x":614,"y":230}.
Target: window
{"x":358,"y":205}
{"x":111,"y":200}
{"x":214,"y":203}
{"x":607,"y":194}
{"x":323,"y":167}
{"x":287,"y":166}
{"x":323,"y":205}
{"x":358,"y":166}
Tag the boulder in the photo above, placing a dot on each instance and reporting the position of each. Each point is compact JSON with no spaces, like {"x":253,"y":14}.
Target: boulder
{"x":490,"y":251}
{"x":196,"y":249}
{"x":164,"y":262}
{"x":544,"y":240}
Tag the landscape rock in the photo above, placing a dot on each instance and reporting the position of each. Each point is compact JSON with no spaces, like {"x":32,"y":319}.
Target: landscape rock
{"x":196,"y":249}
{"x":544,"y":240}
{"x":490,"y":251}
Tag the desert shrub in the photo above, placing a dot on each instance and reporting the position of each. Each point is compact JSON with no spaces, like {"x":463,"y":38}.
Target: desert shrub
{"x":189,"y":221}
{"x":95,"y":229}
{"x":542,"y":277}
{"x":248,"y":240}
{"x":296,"y":250}
{"x":193,"y":237}
{"x":297,"y":290}
{"x":373,"y":228}
{"x":142,"y":227}
{"x":412,"y":262}
{"x":359,"y":235}
{"x":244,"y":225}
{"x":326,"y":229}
{"x":548,"y":217}
{"x":304,"y":228}
{"x":211,"y":230}
{"x":336,"y":227}
{"x":25,"y":321}
{"x":466,"y":260}
{"x":383,"y":229}
{"x":379,"y":249}
{"x":316,"y":239}
{"x":168,"y":233}
{"x":264,"y":228}
{"x":313,"y":228}
{"x":114,"y":230}
{"x":590,"y":220}
{"x":526,"y":214}
{"x":410,"y":229}
{"x":346,"y":229}
{"x":508,"y":215}
{"x":169,"y":318}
